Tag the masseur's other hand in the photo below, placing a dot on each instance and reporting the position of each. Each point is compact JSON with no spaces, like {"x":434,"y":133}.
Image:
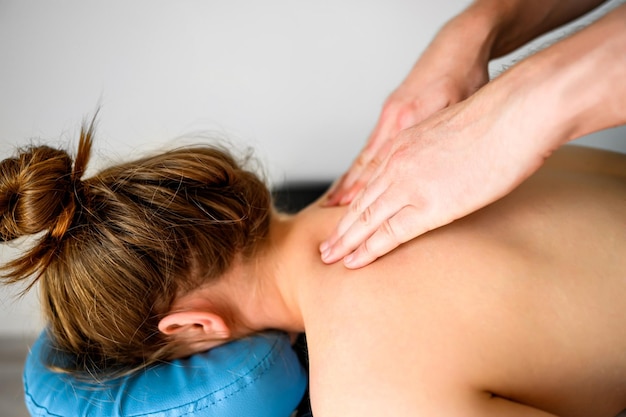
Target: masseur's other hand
{"x":455,"y":162}
{"x":471,"y":153}
{"x":446,"y":73}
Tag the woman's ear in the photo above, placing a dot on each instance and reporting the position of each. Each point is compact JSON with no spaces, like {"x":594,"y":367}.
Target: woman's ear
{"x":195,"y":324}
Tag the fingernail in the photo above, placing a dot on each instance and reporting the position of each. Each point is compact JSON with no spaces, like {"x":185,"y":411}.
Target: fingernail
{"x":349,"y":259}
{"x":345,"y":200}
{"x":326,"y":254}
{"x":324,"y":246}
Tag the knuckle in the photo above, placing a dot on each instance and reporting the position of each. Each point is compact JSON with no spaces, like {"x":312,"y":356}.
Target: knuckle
{"x":376,"y":162}
{"x":418,"y":202}
{"x":398,"y":158}
{"x":410,"y":223}
{"x":362,"y":160}
{"x":365,"y":251}
{"x":366,"y":216}
{"x":355,"y":207}
{"x":388,"y":230}
{"x":390,"y":107}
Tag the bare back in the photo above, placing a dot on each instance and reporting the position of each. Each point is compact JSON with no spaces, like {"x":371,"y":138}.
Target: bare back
{"x":514,"y":309}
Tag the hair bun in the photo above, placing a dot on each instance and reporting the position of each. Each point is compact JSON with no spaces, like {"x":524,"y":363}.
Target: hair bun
{"x":36,"y":192}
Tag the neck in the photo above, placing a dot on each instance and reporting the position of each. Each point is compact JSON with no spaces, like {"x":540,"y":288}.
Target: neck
{"x":281,"y":273}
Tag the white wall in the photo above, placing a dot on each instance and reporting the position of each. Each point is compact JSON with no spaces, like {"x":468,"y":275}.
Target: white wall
{"x":301,"y":82}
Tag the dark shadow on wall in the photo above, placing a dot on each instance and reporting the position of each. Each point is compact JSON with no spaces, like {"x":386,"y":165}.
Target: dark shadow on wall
{"x":291,"y":197}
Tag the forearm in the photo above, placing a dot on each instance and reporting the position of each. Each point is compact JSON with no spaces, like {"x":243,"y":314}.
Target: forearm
{"x":593,"y":86}
{"x":488,"y":29}
{"x":516,"y":22}
{"x":574,"y":87}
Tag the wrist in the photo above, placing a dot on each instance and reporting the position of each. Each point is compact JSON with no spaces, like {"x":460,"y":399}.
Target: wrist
{"x":459,"y":51}
{"x":585,"y":76}
{"x":573,"y":88}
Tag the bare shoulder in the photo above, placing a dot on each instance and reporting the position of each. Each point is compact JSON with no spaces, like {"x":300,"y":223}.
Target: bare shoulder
{"x":489,"y":305}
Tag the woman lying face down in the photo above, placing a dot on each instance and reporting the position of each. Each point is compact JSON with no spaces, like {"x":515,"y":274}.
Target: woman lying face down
{"x":120,"y":247}
{"x":514,"y":310}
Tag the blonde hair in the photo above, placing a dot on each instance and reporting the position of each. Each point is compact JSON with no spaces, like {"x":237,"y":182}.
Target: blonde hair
{"x":118,"y":247}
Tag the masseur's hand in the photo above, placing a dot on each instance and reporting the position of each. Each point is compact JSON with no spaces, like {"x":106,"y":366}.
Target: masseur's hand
{"x":471,"y":153}
{"x":446,"y":73}
{"x":453,"y":163}
{"x":452,"y":68}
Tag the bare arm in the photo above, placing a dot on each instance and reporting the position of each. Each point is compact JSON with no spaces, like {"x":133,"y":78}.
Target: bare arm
{"x":476,"y":151}
{"x":452,"y":68}
{"x":517,"y":22}
{"x":576,"y":86}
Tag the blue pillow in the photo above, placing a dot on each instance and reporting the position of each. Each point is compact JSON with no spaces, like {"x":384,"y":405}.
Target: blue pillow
{"x":258,"y":376}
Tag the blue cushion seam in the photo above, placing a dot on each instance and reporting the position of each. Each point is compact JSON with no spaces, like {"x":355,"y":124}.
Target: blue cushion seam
{"x":262,"y":361}
{"x":48,"y":413}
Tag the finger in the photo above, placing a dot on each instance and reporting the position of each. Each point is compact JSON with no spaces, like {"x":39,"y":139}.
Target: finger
{"x":362,"y":220}
{"x":333,"y":196}
{"x":371,"y":171}
{"x":363,"y":198}
{"x":384,"y":129}
{"x":360,"y":183}
{"x":343,"y":225}
{"x":345,"y":191}
{"x":398,"y":229}
{"x":347,"y":180}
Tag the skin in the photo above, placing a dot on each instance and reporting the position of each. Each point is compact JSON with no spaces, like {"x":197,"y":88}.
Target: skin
{"x":515,"y":310}
{"x":443,"y":134}
{"x":450,"y":70}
